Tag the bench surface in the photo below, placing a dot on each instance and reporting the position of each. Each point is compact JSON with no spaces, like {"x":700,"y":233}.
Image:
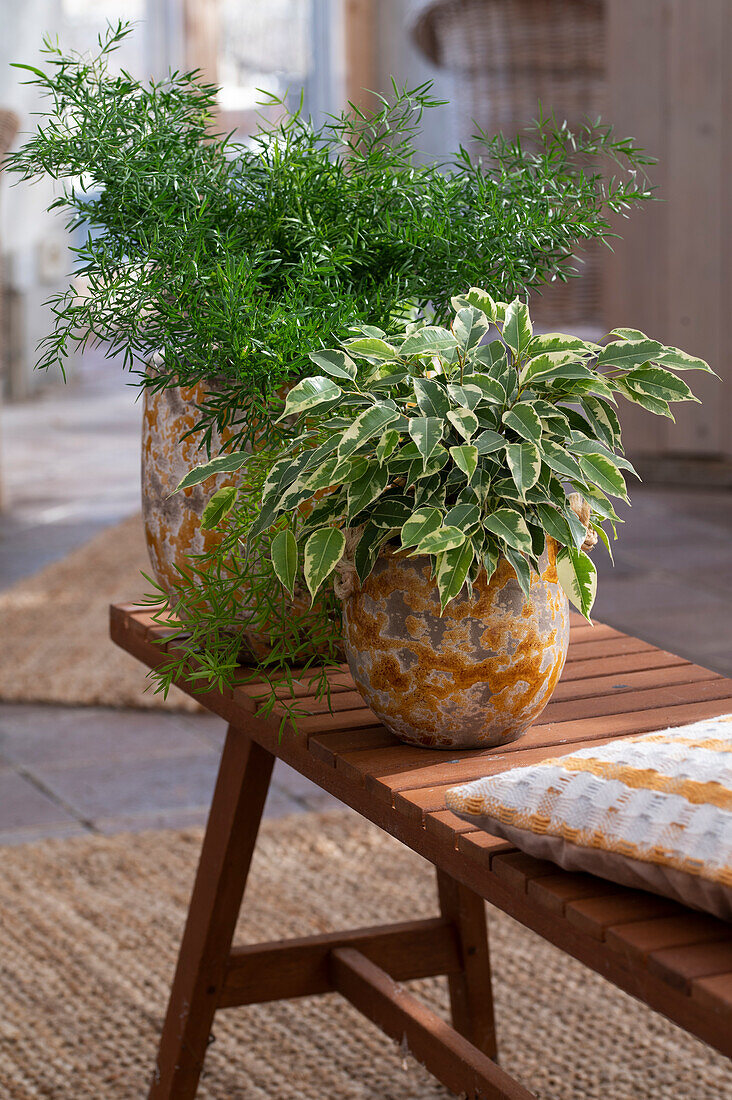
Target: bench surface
{"x":675,"y":960}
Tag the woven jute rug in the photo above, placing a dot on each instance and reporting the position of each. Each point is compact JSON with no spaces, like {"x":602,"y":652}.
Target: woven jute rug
{"x":54,"y":642}
{"x":89,"y":930}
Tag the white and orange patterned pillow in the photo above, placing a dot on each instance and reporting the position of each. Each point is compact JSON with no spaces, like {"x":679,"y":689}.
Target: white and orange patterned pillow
{"x":653,"y":812}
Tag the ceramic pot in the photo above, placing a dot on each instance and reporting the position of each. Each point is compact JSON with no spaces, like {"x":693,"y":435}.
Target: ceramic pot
{"x":173,"y":523}
{"x":476,"y":677}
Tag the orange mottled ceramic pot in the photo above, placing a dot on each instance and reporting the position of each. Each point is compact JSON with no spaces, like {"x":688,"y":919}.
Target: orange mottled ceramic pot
{"x":173,"y":522}
{"x":476,"y":677}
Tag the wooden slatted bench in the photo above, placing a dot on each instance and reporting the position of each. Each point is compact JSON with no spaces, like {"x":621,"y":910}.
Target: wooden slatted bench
{"x":673,"y":959}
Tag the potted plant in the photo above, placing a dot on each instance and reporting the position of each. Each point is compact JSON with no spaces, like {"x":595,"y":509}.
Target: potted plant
{"x":226,"y":261}
{"x":452,"y":485}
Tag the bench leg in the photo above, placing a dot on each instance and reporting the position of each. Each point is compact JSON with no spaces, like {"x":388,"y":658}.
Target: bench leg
{"x":236,"y":810}
{"x":471,"y":991}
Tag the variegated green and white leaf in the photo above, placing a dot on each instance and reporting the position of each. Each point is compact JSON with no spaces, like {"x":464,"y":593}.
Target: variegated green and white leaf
{"x":521,"y":568}
{"x":421,"y":523}
{"x":553,"y":366}
{"x":517,"y":327}
{"x":470,"y":326}
{"x":524,"y":462}
{"x":426,"y":431}
{"x":680,"y":360}
{"x":431,"y":397}
{"x":491,"y":389}
{"x":651,"y":404}
{"x":283,"y":551}
{"x":222,"y":464}
{"x":390,"y":514}
{"x":219,"y":506}
{"x":481,"y":299}
{"x":559,"y":460}
{"x":453,"y":571}
{"x":629,"y":334}
{"x":660,"y":383}
{"x":464,"y":422}
{"x":310,"y":394}
{"x":437,"y":542}
{"x":334,"y":362}
{"x":465,"y":458}
{"x":524,"y":420}
{"x":387,"y":443}
{"x":465,"y":396}
{"x":430,"y":340}
{"x":323,"y":551}
{"x":510,"y":527}
{"x":556,"y":525}
{"x":601,"y":471}
{"x":578,"y":577}
{"x":488,"y":442}
{"x":371,"y":347}
{"x":363,"y":492}
{"x":627,"y":354}
{"x":367,"y":424}
{"x":558,"y":342}
{"x":464,"y":515}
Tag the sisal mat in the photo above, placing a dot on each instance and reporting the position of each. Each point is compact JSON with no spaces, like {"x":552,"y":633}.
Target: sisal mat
{"x":54,"y":641}
{"x":89,"y":930}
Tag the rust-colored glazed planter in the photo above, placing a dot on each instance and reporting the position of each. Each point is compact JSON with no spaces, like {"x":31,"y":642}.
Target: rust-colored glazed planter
{"x":478,"y":676}
{"x":173,"y":523}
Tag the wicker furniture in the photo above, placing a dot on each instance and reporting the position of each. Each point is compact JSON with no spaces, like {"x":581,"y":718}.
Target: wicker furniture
{"x":676,"y":961}
{"x":508,"y":56}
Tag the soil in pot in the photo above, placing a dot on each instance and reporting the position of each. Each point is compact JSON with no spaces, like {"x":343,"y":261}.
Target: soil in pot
{"x":475,"y":677}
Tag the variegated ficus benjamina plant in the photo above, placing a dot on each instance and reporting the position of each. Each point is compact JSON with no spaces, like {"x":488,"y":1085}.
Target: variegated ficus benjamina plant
{"x":447,"y":443}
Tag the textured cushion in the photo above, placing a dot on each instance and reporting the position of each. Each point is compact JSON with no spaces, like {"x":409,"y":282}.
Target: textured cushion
{"x":653,"y":811}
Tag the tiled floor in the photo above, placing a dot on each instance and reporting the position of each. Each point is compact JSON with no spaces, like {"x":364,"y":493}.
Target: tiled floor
{"x":72,"y":465}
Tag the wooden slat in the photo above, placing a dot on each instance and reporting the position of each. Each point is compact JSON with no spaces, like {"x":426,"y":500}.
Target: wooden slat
{"x":447,"y":827}
{"x":483,"y":848}
{"x":596,"y":915}
{"x":555,"y":891}
{"x":715,"y":992}
{"x":607,"y":683}
{"x":680,"y":966}
{"x":300,"y":967}
{"x":328,"y":747}
{"x":617,"y":666}
{"x":643,"y":937}
{"x":450,"y":1057}
{"x":518,"y":869}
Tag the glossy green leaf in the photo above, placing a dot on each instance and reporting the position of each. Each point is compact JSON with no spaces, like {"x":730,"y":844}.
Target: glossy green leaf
{"x":510,"y":527}
{"x":464,"y":516}
{"x":390,"y":514}
{"x":335,"y":363}
{"x":524,"y":462}
{"x":578,"y":577}
{"x":465,"y":458}
{"x":488,"y":442}
{"x":323,"y":551}
{"x":556,"y":525}
{"x":517,"y":328}
{"x":283,"y":552}
{"x":219,"y":506}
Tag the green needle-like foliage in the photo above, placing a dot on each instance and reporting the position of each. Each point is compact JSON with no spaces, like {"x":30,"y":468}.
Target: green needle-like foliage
{"x":234,"y":260}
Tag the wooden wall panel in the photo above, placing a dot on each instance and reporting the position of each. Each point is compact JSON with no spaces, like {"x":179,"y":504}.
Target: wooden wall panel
{"x":669,"y":86}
